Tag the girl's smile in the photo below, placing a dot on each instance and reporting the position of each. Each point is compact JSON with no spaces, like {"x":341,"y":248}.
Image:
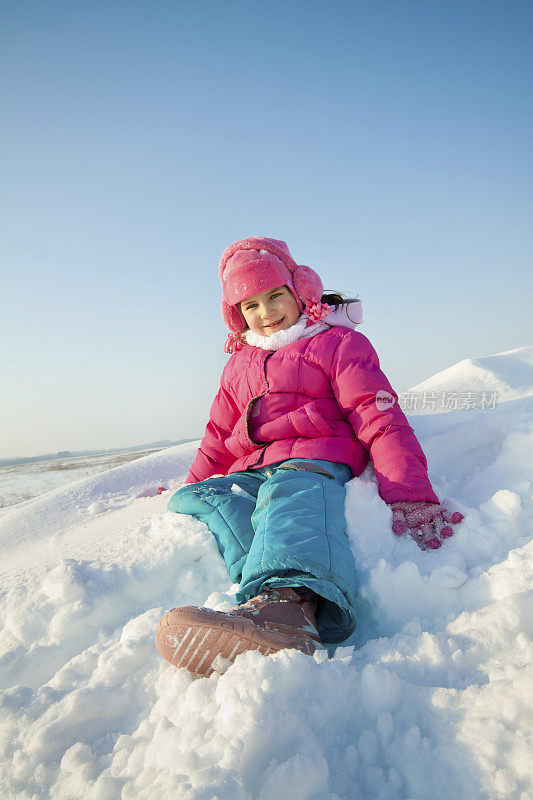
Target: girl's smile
{"x":275,"y":324}
{"x":268,"y":312}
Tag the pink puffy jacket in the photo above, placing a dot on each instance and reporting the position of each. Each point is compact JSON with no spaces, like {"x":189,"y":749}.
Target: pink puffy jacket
{"x":315,"y":398}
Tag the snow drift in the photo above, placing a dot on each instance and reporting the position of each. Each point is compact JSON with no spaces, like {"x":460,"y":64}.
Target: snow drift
{"x":430,"y":698}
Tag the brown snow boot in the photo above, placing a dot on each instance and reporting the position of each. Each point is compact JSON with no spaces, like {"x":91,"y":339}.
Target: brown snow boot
{"x":203,"y":641}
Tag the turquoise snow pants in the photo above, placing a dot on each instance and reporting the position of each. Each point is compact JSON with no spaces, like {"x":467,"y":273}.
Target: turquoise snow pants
{"x":283,"y":525}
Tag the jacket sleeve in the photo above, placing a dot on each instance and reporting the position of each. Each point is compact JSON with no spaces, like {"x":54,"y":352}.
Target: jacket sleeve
{"x":370,"y":404}
{"x":213,"y":457}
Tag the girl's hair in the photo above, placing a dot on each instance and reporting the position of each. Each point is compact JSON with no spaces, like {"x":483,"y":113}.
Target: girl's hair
{"x":336,"y":299}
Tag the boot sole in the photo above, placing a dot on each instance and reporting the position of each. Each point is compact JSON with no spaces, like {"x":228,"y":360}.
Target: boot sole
{"x":204,"y":641}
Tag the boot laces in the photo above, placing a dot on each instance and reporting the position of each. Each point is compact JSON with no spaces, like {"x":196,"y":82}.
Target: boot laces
{"x":303,"y":595}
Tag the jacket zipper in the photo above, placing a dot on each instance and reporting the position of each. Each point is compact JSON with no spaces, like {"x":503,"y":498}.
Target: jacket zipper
{"x":249,"y":408}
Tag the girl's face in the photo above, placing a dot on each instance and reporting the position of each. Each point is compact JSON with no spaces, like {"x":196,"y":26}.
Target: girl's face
{"x":268,"y":312}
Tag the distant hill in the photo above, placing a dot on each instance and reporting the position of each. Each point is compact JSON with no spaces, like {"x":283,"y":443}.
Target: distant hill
{"x":6,"y":462}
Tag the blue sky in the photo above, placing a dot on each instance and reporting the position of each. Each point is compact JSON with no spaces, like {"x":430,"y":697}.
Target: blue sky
{"x":388,"y":143}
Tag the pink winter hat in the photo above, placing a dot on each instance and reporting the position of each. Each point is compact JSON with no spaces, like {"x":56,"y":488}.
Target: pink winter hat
{"x":258,"y":264}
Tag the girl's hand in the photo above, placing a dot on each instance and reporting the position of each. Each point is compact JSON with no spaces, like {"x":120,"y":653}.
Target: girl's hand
{"x":427,"y":523}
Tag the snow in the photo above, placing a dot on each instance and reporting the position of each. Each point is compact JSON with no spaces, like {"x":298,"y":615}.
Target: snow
{"x":431,"y":698}
{"x":506,"y":373}
{"x":22,"y":481}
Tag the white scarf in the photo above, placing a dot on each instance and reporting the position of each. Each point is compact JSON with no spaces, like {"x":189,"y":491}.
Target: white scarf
{"x":348,"y":316}
{"x":286,"y":336}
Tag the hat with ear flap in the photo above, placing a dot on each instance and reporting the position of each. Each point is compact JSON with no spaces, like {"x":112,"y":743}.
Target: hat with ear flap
{"x":258,"y":264}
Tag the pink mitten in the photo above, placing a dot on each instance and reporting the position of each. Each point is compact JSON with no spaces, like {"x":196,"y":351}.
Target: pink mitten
{"x":427,"y":523}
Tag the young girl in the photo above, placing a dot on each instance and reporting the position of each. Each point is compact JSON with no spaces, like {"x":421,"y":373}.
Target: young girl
{"x":302,"y":405}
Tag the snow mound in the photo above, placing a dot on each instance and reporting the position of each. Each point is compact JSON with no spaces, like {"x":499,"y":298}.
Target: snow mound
{"x":509,"y":375}
{"x":430,"y":698}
